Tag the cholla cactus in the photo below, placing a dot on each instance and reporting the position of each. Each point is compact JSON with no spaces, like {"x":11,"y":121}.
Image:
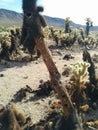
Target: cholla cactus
{"x":89,"y":24}
{"x":82,"y":33}
{"x":46,"y":31}
{"x":67,"y":24}
{"x":80,"y":71}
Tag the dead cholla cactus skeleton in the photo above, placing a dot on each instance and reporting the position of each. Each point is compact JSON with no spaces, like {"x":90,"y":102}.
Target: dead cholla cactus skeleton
{"x":92,"y":86}
{"x":32,"y":31}
{"x":11,"y":118}
{"x":33,"y":20}
{"x":67,"y":24}
{"x":91,"y":69}
{"x":80,"y":72}
{"x":82,"y":33}
{"x":89,"y":24}
{"x":32,"y":23}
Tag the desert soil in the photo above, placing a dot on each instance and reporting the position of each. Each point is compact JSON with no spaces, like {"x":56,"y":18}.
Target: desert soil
{"x":17,"y":75}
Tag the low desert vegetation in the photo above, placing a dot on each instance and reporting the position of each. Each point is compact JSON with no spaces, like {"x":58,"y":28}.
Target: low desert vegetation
{"x":77,"y":98}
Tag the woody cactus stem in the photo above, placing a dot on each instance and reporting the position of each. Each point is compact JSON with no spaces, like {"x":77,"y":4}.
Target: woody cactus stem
{"x":54,"y":74}
{"x":34,"y":19}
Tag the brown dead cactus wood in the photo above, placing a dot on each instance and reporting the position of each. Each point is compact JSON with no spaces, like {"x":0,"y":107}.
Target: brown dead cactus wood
{"x":11,"y":118}
{"x":31,"y":14}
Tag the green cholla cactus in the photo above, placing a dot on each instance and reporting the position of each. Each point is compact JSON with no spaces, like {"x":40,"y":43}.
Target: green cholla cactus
{"x":80,"y":70}
{"x":46,"y":31}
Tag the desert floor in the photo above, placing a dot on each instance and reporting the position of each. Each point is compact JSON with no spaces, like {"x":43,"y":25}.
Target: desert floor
{"x":17,"y":75}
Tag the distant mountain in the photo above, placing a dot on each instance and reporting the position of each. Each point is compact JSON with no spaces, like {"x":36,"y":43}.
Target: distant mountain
{"x":60,"y":23}
{"x":8,"y":18}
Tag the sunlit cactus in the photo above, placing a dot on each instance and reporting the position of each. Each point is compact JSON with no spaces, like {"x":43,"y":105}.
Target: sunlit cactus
{"x":46,"y":31}
{"x":80,"y":71}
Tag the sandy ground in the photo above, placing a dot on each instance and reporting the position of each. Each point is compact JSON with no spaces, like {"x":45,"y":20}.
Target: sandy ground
{"x":17,"y":75}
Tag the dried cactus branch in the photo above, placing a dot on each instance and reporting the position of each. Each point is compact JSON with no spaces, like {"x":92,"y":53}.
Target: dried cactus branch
{"x":32,"y":24}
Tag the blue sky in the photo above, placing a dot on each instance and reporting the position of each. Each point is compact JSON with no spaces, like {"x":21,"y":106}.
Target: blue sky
{"x":77,"y":10}
{"x":15,"y":5}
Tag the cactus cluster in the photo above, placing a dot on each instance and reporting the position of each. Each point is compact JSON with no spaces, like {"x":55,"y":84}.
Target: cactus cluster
{"x":80,"y":71}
